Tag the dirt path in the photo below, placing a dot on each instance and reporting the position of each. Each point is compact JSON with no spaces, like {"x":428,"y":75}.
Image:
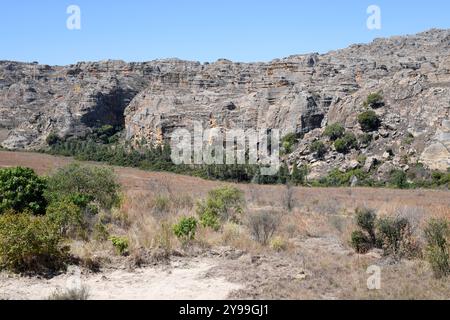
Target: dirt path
{"x":186,"y":279}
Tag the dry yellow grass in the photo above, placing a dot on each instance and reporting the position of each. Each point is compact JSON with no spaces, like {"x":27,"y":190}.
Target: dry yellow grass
{"x":313,"y":236}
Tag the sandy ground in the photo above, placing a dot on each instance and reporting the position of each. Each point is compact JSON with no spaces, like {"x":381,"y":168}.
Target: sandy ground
{"x":183,"y":279}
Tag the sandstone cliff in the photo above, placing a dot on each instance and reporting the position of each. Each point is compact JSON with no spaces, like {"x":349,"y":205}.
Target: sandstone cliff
{"x":298,"y":94}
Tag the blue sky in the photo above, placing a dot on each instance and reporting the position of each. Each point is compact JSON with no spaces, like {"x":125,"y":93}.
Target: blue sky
{"x":201,"y":30}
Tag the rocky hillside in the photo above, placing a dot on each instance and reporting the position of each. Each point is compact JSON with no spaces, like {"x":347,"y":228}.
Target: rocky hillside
{"x":300,"y":94}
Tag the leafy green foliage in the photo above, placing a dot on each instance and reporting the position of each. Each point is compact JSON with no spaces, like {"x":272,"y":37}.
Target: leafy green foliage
{"x":364,"y":239}
{"x":52,"y":139}
{"x":319,"y":148}
{"x":86,"y":183}
{"x":185,"y":229}
{"x":221,"y":205}
{"x":334,"y":131}
{"x":30,"y":244}
{"x":369,"y":121}
{"x":437,"y":235}
{"x":22,"y":190}
{"x":395,"y":235}
{"x":67,"y":217}
{"x":346,"y":143}
{"x":374,"y":100}
{"x":360,"y":242}
{"x":337,"y":178}
{"x":399,"y":179}
{"x":288,"y":142}
{"x":120,"y":244}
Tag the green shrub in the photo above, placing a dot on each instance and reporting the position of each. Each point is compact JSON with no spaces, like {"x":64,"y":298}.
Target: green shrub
{"x":360,"y":242}
{"x":395,"y":235}
{"x":263,"y":225}
{"x":346,"y":143}
{"x":67,"y":217}
{"x":30,"y":244}
{"x":365,"y":219}
{"x":120,"y":244}
{"x":364,"y":239}
{"x":52,"y":139}
{"x":399,"y":179}
{"x":21,"y":190}
{"x":374,"y":100}
{"x":278,"y":244}
{"x":185,"y":229}
{"x":288,"y":142}
{"x":337,"y":178}
{"x":221,"y":205}
{"x":437,"y":235}
{"x":319,"y":148}
{"x":334,"y":131}
{"x":91,"y":183}
{"x":369,"y":121}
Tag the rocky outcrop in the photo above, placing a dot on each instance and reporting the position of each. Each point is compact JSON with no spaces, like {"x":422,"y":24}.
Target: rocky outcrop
{"x":300,"y":94}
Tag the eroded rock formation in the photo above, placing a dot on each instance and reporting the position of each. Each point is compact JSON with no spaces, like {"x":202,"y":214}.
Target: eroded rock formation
{"x":301,"y":94}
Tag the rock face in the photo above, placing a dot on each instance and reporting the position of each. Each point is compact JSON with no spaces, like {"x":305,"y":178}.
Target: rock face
{"x":298,"y":94}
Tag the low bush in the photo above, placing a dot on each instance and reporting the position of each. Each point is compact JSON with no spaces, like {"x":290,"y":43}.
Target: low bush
{"x":67,"y":217}
{"x":30,"y":244}
{"x":278,"y":244}
{"x":437,"y":234}
{"x":334,"y":131}
{"x":221,"y":205}
{"x":91,"y":183}
{"x":120,"y":244}
{"x":185,"y":229}
{"x":374,"y":100}
{"x":360,"y":242}
{"x":369,"y":121}
{"x":21,"y":189}
{"x":263,"y":225}
{"x":364,"y":239}
{"x":346,"y":143}
{"x":398,"y":179}
{"x":395,"y":236}
{"x":318,"y":148}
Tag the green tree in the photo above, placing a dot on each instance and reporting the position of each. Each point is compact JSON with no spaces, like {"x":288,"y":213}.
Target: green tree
{"x":86,"y":183}
{"x":374,"y":100}
{"x":319,"y":148}
{"x":222,"y":204}
{"x":334,"y":131}
{"x":346,"y":143}
{"x":369,"y":121}
{"x":22,"y":190}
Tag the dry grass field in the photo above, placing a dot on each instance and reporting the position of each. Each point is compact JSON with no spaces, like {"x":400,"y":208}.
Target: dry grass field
{"x":309,"y":256}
